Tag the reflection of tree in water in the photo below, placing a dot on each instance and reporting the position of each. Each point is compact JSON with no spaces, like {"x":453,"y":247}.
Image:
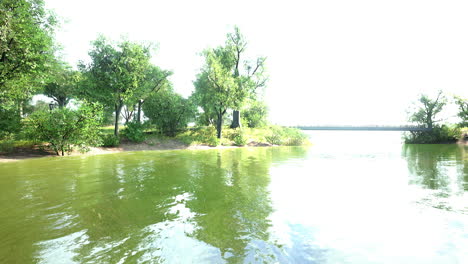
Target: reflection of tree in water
{"x":430,"y":166}
{"x":128,"y":195}
{"x":232,"y":202}
{"x":124,"y":207}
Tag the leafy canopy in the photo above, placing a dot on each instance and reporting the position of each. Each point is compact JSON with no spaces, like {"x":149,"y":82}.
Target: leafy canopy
{"x":26,"y":46}
{"x":425,"y":113}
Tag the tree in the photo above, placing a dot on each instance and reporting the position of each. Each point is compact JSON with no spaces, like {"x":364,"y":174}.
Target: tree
{"x":425,"y":114}
{"x":62,"y":85}
{"x":249,"y":78}
{"x":115,"y":73}
{"x":154,"y":80}
{"x":26,"y":45}
{"x":65,"y":128}
{"x":215,"y":87}
{"x":462,"y":110}
{"x":169,"y":111}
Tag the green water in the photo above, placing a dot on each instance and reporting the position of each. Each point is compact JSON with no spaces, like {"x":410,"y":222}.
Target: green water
{"x":340,"y":201}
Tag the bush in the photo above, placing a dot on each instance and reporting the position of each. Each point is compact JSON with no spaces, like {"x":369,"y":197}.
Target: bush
{"x":439,"y":134}
{"x":7,"y":145}
{"x":66,"y":129}
{"x":239,"y":137}
{"x":169,"y":112}
{"x":286,"y":136}
{"x":135,"y":131}
{"x":275,"y":137}
{"x":110,"y":140}
{"x":200,"y":135}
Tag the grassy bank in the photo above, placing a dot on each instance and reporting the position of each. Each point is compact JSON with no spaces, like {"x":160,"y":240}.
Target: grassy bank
{"x":147,"y":138}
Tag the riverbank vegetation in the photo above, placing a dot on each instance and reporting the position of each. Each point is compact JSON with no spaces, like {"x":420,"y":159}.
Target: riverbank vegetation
{"x":426,"y":113}
{"x":119,"y":86}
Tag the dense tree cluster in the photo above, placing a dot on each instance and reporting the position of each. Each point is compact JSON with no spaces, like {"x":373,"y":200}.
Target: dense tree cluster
{"x":119,"y":80}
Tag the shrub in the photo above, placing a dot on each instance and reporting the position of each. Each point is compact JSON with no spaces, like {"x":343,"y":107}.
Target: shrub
{"x":275,"y":136}
{"x":200,"y":135}
{"x":169,"y":112}
{"x":239,"y":137}
{"x":7,"y":145}
{"x":135,"y":131}
{"x":439,"y":134}
{"x":66,"y":129}
{"x":286,"y":136}
{"x":110,"y":140}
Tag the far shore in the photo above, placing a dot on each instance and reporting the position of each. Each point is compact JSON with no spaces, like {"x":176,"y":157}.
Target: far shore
{"x":23,"y":154}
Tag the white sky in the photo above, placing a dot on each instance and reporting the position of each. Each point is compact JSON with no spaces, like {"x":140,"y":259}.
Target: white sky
{"x":330,"y":62}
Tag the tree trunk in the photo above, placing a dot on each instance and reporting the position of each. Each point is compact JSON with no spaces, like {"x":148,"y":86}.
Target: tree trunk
{"x":219,"y":125}
{"x":118,"y":108}
{"x":236,"y":122}
{"x":139,"y":111}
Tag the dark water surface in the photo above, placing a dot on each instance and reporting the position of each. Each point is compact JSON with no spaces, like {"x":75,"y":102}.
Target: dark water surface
{"x":352,"y":197}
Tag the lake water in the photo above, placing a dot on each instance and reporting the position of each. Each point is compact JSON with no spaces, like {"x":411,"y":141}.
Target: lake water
{"x":351,"y":197}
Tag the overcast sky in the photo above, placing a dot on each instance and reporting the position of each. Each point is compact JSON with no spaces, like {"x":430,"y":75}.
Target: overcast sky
{"x":329,"y":62}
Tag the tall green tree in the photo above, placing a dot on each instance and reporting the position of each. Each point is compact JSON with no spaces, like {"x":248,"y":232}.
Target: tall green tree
{"x":227,"y":80}
{"x":215,"y":87}
{"x":26,"y":46}
{"x":115,"y":73}
{"x":249,"y":75}
{"x":427,"y":110}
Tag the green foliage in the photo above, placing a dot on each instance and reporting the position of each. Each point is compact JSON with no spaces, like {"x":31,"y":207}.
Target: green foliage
{"x":462,"y":104}
{"x":7,"y":145}
{"x":439,"y":134}
{"x":63,"y":84}
{"x":39,"y":106}
{"x":114,"y":74}
{"x":26,"y":46}
{"x":239,"y":137}
{"x":66,"y":129}
{"x":226,"y":81}
{"x":135,"y":131}
{"x":255,"y":115}
{"x":426,"y":112}
{"x":110,"y":140}
{"x":275,"y":135}
{"x":169,"y":111}
{"x":286,"y":136}
{"x":10,"y":121}
{"x":199,"y":135}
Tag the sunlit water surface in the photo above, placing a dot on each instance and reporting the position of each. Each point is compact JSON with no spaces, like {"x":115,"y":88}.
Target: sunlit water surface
{"x":352,"y":197}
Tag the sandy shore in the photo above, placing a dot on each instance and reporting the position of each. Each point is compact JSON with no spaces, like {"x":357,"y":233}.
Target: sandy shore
{"x":163,"y":145}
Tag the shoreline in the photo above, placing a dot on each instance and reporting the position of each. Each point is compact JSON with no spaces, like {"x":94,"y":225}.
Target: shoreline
{"x":124,"y":147}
